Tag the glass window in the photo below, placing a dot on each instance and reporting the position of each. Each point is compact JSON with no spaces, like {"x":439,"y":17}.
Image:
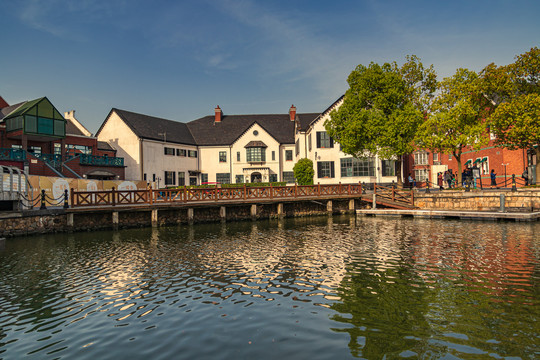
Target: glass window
{"x":181,"y":152}
{"x":325,"y":169}
{"x":272,"y":178}
{"x":222,"y":156}
{"x":30,"y":124}
{"x":192,"y":153}
{"x":204,"y":178}
{"x":297,"y":147}
{"x":57,"y":148}
{"x":223,"y":178}
{"x":59,"y":127}
{"x":72,"y":149}
{"x":421,"y":175}
{"x":36,"y":150}
{"x":288,"y":155}
{"x":239,"y":179}
{"x":420,"y":158}
{"x":309,"y":142}
{"x":357,"y":167}
{"x":288,"y":177}
{"x":181,"y":178}
{"x":274,"y":157}
{"x":255,"y":154}
{"x":168,"y":151}
{"x":45,"y":126}
{"x":238,"y":156}
{"x":170,"y":178}
{"x":324,"y":140}
{"x":388,"y":168}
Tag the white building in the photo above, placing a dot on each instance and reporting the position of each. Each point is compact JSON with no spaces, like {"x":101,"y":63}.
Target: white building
{"x":234,"y":149}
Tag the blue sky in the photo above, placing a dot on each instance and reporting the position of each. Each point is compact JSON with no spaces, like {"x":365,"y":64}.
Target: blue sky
{"x":179,"y":59}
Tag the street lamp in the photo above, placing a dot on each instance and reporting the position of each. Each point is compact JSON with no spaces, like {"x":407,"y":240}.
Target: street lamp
{"x":505,"y":165}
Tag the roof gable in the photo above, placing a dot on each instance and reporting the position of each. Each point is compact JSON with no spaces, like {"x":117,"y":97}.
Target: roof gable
{"x":41,"y":107}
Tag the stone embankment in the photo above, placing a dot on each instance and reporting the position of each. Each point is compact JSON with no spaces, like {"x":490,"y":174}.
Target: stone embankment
{"x":518,"y":201}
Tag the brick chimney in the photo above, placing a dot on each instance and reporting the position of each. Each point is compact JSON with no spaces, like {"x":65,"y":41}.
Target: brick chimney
{"x":219,"y":113}
{"x":292,"y":113}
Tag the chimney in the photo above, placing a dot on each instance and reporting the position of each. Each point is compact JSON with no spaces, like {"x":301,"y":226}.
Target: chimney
{"x":292,"y":113}
{"x":219,"y":113}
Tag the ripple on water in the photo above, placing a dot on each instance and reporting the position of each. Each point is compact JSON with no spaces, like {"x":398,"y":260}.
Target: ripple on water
{"x":310,"y":288}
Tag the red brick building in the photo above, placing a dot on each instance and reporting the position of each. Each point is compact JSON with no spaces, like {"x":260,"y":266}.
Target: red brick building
{"x":35,"y":137}
{"x":426,"y":165}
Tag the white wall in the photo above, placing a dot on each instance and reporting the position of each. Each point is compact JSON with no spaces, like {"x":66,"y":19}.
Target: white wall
{"x":120,"y":136}
{"x":156,"y":162}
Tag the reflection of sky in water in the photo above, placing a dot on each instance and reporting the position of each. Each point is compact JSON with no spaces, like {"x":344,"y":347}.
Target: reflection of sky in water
{"x":346,"y":287}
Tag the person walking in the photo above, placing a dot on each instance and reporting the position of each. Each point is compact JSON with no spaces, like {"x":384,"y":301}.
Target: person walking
{"x":440,"y":180}
{"x":412,"y":181}
{"x":525,"y":176}
{"x":493,"y":178}
{"x":448,"y":178}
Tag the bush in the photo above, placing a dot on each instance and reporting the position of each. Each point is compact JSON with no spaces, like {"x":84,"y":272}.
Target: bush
{"x":303,"y":172}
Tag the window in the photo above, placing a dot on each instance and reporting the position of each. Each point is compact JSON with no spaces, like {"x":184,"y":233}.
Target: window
{"x":192,"y":153}
{"x":325,"y":169}
{"x":204,"y":178}
{"x":181,"y":178}
{"x":309,"y":142}
{"x":222,"y":156}
{"x":324,"y":140}
{"x":435,"y":158}
{"x":144,"y":177}
{"x":57,"y":148}
{"x":181,"y":152}
{"x":449,"y":156}
{"x":273,"y":156}
{"x":36,"y":150}
{"x":154,"y":177}
{"x":420,"y":158}
{"x":485,"y":166}
{"x":421,"y":175}
{"x":223,"y":178}
{"x":357,"y":167}
{"x":288,"y":176}
{"x":170,"y":178}
{"x":297,"y":147}
{"x":239,"y":179}
{"x":238,"y":156}
{"x":388,"y":168}
{"x":168,"y":151}
{"x":78,"y":149}
{"x":192,"y":180}
{"x":272,"y":178}
{"x":255,"y":154}
{"x":288,"y":155}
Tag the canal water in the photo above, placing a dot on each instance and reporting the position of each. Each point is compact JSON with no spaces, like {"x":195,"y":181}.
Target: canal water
{"x":315,"y":288}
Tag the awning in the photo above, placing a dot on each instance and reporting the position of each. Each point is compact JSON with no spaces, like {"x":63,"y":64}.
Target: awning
{"x":477,"y":161}
{"x":484,"y":159}
{"x":253,"y":144}
{"x":468,"y":162}
{"x":193,"y":172}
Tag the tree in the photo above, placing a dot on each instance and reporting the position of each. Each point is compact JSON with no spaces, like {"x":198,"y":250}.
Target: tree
{"x":516,"y":120}
{"x":382,"y":109}
{"x":303,"y":172}
{"x":457,"y":118}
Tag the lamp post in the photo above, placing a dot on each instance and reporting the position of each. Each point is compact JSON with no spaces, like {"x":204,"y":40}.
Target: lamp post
{"x":505,"y":165}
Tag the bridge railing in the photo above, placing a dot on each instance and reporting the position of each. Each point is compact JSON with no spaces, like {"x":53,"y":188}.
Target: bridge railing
{"x":393,"y":194}
{"x":115,"y":197}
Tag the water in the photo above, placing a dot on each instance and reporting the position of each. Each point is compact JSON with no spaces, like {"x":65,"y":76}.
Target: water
{"x":292,"y":289}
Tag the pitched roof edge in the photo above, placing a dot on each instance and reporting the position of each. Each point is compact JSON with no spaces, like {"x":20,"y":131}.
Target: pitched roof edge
{"x":115,"y":110}
{"x":328,"y":109}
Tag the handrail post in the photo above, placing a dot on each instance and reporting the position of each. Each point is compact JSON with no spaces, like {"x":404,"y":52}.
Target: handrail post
{"x":393,"y":193}
{"x":43,"y":206}
{"x":216,"y":193}
{"x":150,"y":195}
{"x":295,"y":189}
{"x":514,"y":188}
{"x":349,"y":190}
{"x":412,"y":197}
{"x":72,"y":198}
{"x":318,"y":189}
{"x":185,"y":193}
{"x":66,"y":205}
{"x":374,"y":188}
{"x":340,"y":188}
{"x":271,"y":191}
{"x":113,"y":196}
{"x":245,"y":191}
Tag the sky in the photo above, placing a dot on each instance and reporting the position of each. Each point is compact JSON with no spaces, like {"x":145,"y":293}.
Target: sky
{"x":179,"y":59}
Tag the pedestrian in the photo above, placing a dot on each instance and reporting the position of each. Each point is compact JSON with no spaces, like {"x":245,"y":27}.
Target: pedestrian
{"x":448,"y":178}
{"x":412,"y":181}
{"x":493,"y":178}
{"x":440,"y":180}
{"x":525,"y":176}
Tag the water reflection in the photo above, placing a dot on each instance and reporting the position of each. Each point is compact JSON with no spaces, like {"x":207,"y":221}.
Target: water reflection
{"x":311,"y":288}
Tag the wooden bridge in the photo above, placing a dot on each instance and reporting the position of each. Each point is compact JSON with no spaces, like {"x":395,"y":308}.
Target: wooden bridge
{"x":384,"y":196}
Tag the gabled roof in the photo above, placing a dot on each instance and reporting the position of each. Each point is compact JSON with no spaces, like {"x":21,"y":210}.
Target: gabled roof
{"x":328,"y":109}
{"x":103,"y":145}
{"x":154,"y":128}
{"x":207,"y":132}
{"x":9,"y":109}
{"x":306,"y":119}
{"x":30,"y":107}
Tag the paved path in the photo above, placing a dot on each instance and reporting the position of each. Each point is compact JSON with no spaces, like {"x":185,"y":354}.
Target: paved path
{"x":449,"y":214}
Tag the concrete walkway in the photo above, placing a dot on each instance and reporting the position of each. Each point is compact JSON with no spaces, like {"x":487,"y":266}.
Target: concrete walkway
{"x":449,"y":214}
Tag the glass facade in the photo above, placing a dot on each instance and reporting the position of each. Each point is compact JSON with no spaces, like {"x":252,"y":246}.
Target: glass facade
{"x":288,"y":177}
{"x":223,"y":178}
{"x":255,"y":154}
{"x":357,"y":167}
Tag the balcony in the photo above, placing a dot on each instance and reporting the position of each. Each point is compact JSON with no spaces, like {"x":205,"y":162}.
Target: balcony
{"x":85,"y":159}
{"x":11,"y":154}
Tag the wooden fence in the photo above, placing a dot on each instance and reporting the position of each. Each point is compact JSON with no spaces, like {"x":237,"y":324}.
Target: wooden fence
{"x":398,"y":196}
{"x":199,"y":195}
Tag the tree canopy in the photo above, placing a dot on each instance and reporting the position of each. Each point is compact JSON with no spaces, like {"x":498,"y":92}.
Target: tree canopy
{"x":382,"y":109}
{"x":304,"y":172}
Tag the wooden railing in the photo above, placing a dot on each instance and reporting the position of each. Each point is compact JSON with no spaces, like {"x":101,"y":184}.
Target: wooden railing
{"x":198,"y":195}
{"x":390,"y":193}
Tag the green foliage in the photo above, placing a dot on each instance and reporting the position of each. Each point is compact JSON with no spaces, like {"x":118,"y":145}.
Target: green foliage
{"x":304,"y":172}
{"x":456,"y":121}
{"x":382,"y":109}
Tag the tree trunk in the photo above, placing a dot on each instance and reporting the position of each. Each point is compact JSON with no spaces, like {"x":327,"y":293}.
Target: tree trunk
{"x":459,"y":169}
{"x":398,"y":172}
{"x":537,"y":165}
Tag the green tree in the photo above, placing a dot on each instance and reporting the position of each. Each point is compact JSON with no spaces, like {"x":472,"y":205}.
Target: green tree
{"x":516,"y":120}
{"x":382,"y":110}
{"x":304,"y":172}
{"x":457,"y":118}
